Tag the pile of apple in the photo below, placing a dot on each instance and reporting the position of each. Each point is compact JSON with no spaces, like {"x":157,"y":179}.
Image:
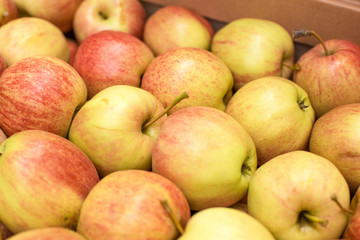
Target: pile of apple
{"x":118,"y":125}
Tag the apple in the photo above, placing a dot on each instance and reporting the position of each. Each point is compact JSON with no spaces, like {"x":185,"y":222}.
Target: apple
{"x":59,"y":12}
{"x":73,"y":46}
{"x":48,"y":233}
{"x":96,"y":15}
{"x":116,"y":128}
{"x":127,"y":204}
{"x":336,"y":136}
{"x":8,"y":11}
{"x":291,"y":195}
{"x":173,"y":27}
{"x":353,"y":228}
{"x":44,"y":178}
{"x":331,"y":77}
{"x":110,"y":58}
{"x":29,"y":36}
{"x":40,"y":92}
{"x":276,"y":113}
{"x":224,"y":223}
{"x":207,"y":154}
{"x":253,"y":48}
{"x":206,"y":79}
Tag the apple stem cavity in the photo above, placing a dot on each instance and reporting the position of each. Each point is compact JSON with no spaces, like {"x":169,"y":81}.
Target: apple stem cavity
{"x":344,"y":209}
{"x":174,"y":102}
{"x":304,"y":33}
{"x":295,"y":67}
{"x":176,"y":222}
{"x":306,"y":218}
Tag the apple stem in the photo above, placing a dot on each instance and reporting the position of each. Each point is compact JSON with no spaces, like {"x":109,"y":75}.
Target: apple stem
{"x":344,"y":209}
{"x":176,"y":101}
{"x":295,"y":67}
{"x":167,"y":208}
{"x":302,"y":33}
{"x":314,"y":219}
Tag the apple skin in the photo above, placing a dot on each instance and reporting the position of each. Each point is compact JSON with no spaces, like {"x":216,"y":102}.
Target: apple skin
{"x":297,"y":182}
{"x":173,"y":27}
{"x":253,"y":48}
{"x":31,"y":36}
{"x":207,"y":154}
{"x":73,"y":46}
{"x":269,"y":110}
{"x":8,"y":12}
{"x":224,"y":223}
{"x":108,"y":128}
{"x":336,"y":136}
{"x":110,"y":58}
{"x":52,"y":178}
{"x":40,"y":92}
{"x":353,"y":228}
{"x":127,"y":205}
{"x":332,"y":80}
{"x":48,"y":233}
{"x":206,"y":79}
{"x":96,"y":15}
{"x":59,"y":12}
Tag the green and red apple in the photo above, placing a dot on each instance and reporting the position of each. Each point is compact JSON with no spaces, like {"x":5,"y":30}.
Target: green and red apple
{"x":253,"y":48}
{"x":330,"y":74}
{"x":110,"y":128}
{"x":276,"y":113}
{"x":44,"y":179}
{"x":93,"y":16}
{"x":207,"y":154}
{"x":60,"y":12}
{"x":30,"y":36}
{"x":110,"y":58}
{"x":336,"y":137}
{"x":206,"y":79}
{"x":291,"y":195}
{"x":128,"y":204}
{"x":40,"y":92}
{"x":175,"y":26}
{"x":224,"y":223}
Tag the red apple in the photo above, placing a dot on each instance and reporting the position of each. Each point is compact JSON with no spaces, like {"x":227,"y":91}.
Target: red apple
{"x":205,"y":77}
{"x":48,"y":233}
{"x":127,"y":204}
{"x":331,"y":79}
{"x":175,"y":26}
{"x":40,"y":92}
{"x":93,"y":16}
{"x":44,"y":178}
{"x":73,"y":46}
{"x":110,"y":58}
{"x":59,"y":12}
{"x":8,"y":11}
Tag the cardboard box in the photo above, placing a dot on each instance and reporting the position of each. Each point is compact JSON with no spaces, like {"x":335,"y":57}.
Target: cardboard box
{"x":329,"y":18}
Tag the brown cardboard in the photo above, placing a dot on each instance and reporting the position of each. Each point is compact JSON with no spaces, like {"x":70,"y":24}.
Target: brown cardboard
{"x":329,"y":18}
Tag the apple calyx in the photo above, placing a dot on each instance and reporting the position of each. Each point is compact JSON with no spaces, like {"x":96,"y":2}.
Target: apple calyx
{"x":302,"y":104}
{"x":344,"y":209}
{"x":304,"y":33}
{"x":176,"y":222}
{"x":166,"y":110}
{"x":306,"y":218}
